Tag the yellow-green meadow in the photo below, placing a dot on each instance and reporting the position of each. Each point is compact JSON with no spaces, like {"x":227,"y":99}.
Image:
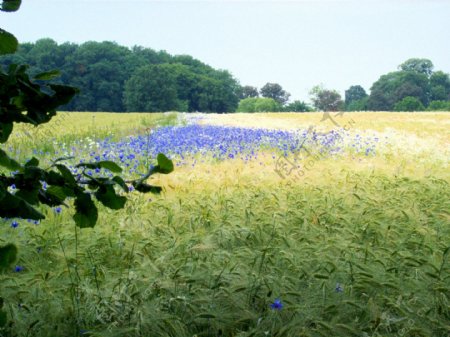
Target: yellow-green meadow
{"x":277,"y":224}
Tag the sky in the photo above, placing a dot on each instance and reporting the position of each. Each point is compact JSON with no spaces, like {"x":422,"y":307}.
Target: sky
{"x":298,"y":44}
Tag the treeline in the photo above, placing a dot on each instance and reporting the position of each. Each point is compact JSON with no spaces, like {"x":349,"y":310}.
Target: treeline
{"x":414,"y":87}
{"x":115,"y":78}
{"x":119,"y":79}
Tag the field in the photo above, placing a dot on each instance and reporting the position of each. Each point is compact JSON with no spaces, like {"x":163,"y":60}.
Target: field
{"x":270,"y":225}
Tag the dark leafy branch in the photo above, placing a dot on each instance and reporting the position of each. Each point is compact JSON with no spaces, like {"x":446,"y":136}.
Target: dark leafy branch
{"x":35,"y":101}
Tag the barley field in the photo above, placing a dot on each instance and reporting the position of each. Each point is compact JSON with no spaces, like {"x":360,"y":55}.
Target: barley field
{"x":271,"y":225}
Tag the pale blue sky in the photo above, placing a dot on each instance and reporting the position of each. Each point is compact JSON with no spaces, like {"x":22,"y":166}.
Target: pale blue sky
{"x":295,"y":43}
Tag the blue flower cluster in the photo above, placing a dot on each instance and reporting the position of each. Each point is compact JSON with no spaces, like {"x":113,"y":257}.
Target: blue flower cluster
{"x":193,"y":143}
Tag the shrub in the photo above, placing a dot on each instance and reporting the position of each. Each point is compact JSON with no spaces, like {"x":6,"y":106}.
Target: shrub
{"x":409,"y":103}
{"x":439,"y":106}
{"x":258,"y":104}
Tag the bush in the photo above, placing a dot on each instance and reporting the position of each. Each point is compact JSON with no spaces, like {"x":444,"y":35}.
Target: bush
{"x":439,"y":106}
{"x":257,"y":104}
{"x":358,"y":105}
{"x":409,"y":103}
{"x":297,"y":106}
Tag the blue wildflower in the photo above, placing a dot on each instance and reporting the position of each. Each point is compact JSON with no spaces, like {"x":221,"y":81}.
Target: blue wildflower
{"x":18,"y":269}
{"x":14,"y":224}
{"x":58,"y":210}
{"x":339,"y":288}
{"x":277,"y":305}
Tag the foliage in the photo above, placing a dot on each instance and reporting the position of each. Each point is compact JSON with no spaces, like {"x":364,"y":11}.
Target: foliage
{"x":355,"y":93}
{"x":421,"y":66}
{"x":28,"y":187}
{"x":101,"y":70}
{"x":152,"y":89}
{"x":409,"y":104}
{"x":326,"y":100}
{"x":439,"y":106}
{"x":393,"y":87}
{"x":416,"y":79}
{"x":259,"y":104}
{"x":439,"y":86}
{"x":276,"y":92}
{"x":248,"y":91}
{"x":358,"y":105}
{"x":297,"y":106}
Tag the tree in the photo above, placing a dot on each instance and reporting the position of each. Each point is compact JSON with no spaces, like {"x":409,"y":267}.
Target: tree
{"x":297,"y":106}
{"x":421,"y":66}
{"x":393,"y":87}
{"x":439,"y":86}
{"x":409,"y":104}
{"x":248,"y":91}
{"x":276,"y":92}
{"x":353,"y":94}
{"x":326,"y":100}
{"x":259,"y":104}
{"x":358,"y":105}
{"x":153,"y":89}
{"x":101,"y":69}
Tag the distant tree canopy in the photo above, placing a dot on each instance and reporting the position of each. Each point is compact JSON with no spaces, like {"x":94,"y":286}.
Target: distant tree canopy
{"x":259,"y":104}
{"x":297,"y":106}
{"x":415,"y":79}
{"x":107,"y":74}
{"x":117,"y":79}
{"x":276,"y":92}
{"x":248,"y":91}
{"x":421,"y":66}
{"x":355,"y":98}
{"x":325,"y":99}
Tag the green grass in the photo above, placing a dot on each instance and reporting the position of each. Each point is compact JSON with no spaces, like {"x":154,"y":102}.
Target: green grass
{"x":210,"y":255}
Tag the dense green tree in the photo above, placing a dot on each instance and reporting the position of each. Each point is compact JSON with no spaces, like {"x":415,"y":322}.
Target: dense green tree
{"x":297,"y":106}
{"x":358,"y":105}
{"x":439,"y":86}
{"x":409,"y":104}
{"x":355,"y":93}
{"x":259,"y":104}
{"x":418,"y":65}
{"x":101,"y":69}
{"x":276,"y":92}
{"x":153,"y":88}
{"x":248,"y":91}
{"x":325,"y":99}
{"x":393,"y":87}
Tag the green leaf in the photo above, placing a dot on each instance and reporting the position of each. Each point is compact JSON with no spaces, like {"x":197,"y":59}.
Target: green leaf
{"x":164,"y":163}
{"x":110,"y":165}
{"x":59,"y":192}
{"x":8,"y":43}
{"x":48,"y":75}
{"x":86,"y":212}
{"x":145,"y":188}
{"x":32,"y":162}
{"x":11,"y":206}
{"x":119,"y":181}
{"x":10,"y":5}
{"x":5,"y":131}
{"x":3,"y":319}
{"x":7,"y":162}
{"x":67,"y":175}
{"x":108,"y":197}
{"x":8,"y":255}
